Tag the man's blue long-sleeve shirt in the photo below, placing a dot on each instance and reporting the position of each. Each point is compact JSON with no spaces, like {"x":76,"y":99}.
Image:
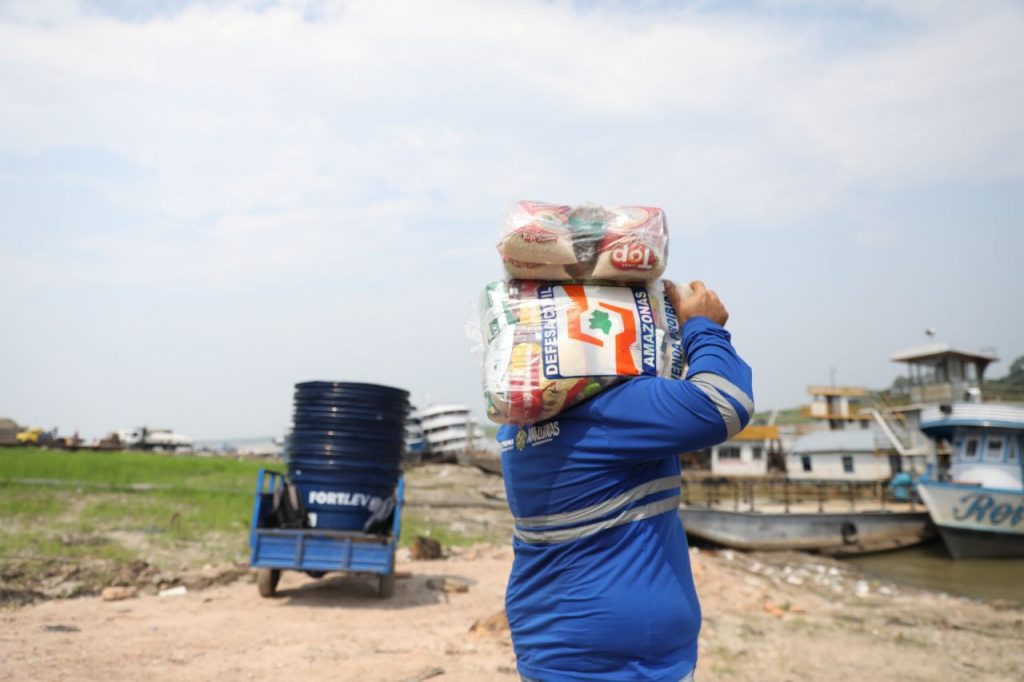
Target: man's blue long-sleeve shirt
{"x":601,"y":587}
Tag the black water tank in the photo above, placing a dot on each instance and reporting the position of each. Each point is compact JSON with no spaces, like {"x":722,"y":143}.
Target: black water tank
{"x":345,"y":450}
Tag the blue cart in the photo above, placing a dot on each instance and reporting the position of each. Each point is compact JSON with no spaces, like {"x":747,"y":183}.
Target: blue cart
{"x":314,"y":551}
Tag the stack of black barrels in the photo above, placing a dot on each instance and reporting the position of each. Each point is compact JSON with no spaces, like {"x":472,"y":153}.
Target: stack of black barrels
{"x":345,"y":451}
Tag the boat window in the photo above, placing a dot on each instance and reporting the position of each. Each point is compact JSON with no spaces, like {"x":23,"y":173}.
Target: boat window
{"x":806,"y":462}
{"x":847,"y":464}
{"x":972,"y":371}
{"x":728,"y":452}
{"x":1013,"y":452}
{"x":757,"y":452}
{"x":970,"y":450}
{"x":994,"y":449}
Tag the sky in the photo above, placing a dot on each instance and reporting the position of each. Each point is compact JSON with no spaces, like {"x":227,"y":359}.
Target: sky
{"x":202,"y":203}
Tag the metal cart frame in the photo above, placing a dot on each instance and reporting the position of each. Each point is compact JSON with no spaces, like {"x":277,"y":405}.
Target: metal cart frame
{"x":317,"y":552}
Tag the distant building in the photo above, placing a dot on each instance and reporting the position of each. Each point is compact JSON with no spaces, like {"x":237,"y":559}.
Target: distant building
{"x":843,"y":455}
{"x":9,"y":430}
{"x":747,"y":453}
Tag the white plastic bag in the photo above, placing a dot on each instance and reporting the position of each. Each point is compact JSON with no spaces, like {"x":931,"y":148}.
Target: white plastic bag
{"x":552,"y":242}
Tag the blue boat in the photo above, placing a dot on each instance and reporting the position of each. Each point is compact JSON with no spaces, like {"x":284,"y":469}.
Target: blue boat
{"x":977,"y":504}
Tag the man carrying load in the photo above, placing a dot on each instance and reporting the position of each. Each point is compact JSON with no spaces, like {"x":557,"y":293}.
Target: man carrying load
{"x":601,"y":587}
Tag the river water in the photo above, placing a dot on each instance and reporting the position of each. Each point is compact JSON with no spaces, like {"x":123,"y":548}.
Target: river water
{"x":930,"y":566}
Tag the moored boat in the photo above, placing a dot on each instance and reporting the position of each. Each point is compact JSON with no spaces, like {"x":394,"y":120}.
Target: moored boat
{"x":978,"y":503}
{"x":832,"y":533}
{"x":828,"y":517}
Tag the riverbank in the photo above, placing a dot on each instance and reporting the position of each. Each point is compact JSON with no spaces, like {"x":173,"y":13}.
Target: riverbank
{"x":72,"y":523}
{"x":766,"y":618}
{"x":178,"y":526}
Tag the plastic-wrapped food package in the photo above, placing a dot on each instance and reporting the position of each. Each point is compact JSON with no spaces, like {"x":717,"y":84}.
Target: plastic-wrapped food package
{"x":548,"y":346}
{"x":559,"y":243}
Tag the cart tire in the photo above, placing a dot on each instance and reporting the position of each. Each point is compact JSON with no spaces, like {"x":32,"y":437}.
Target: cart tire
{"x":386,"y":585}
{"x":266,"y":580}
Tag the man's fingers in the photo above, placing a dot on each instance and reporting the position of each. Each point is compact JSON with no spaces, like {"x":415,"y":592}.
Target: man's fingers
{"x":697,"y":286}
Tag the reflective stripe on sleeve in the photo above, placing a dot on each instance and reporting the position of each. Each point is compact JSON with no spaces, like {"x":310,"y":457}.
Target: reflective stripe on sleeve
{"x":600,"y":509}
{"x":713,"y":386}
{"x":729,"y":388}
{"x":640,"y":513}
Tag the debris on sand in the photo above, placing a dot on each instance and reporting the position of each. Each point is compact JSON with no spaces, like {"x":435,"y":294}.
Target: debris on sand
{"x":117,"y":593}
{"x":426,"y":674}
{"x":424,"y":548}
{"x":448,"y":584}
{"x":495,"y":625}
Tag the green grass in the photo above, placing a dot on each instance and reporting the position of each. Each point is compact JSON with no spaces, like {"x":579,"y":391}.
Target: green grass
{"x":123,"y":469}
{"x":413,"y":525}
{"x":66,"y":505}
{"x":30,"y":544}
{"x":73,"y":505}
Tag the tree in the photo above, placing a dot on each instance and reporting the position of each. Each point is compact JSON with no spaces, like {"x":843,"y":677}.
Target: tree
{"x":900,"y":383}
{"x":1015,"y":376}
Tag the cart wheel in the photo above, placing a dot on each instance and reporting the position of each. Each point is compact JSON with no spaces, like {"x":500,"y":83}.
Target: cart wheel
{"x":266,"y":580}
{"x":386,"y":585}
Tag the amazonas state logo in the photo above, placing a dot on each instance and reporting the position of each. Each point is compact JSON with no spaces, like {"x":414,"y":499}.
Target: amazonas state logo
{"x":606,"y":322}
{"x":521,"y":439}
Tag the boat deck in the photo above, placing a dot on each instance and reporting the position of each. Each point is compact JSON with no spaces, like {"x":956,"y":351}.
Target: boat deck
{"x":832,"y":506}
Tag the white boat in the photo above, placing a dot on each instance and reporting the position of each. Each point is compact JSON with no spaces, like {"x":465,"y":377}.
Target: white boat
{"x":450,"y":430}
{"x":978,"y":504}
{"x":146,"y":438}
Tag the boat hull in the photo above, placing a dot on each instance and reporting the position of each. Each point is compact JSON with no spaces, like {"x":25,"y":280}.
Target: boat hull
{"x":829,"y":533}
{"x":976,"y":522}
{"x":974,"y":544}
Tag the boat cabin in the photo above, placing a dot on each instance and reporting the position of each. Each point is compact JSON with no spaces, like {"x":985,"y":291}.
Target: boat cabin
{"x":746,"y":453}
{"x":986,"y":442}
{"x":942,"y":373}
{"x":843,"y":455}
{"x":987,"y":457}
{"x":841,"y":406}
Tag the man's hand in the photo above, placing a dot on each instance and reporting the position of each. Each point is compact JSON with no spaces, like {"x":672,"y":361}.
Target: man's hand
{"x":697,"y":302}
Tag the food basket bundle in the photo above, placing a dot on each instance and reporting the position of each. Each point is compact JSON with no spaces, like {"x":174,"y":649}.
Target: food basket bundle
{"x":550,"y":345}
{"x":550,"y":242}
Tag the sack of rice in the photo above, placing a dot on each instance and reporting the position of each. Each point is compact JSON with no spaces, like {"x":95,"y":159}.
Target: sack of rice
{"x":550,"y":346}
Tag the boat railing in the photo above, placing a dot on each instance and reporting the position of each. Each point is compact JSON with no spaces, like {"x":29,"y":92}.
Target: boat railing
{"x":750,"y":495}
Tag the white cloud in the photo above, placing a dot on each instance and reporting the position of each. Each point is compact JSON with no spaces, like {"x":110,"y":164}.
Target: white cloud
{"x":229,"y":110}
{"x":271,"y":143}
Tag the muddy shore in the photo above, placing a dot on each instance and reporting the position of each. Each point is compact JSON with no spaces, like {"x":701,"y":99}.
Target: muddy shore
{"x":767,"y":617}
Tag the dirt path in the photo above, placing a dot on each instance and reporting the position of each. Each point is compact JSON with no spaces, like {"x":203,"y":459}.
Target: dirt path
{"x":767,"y":618}
{"x":335,"y":628}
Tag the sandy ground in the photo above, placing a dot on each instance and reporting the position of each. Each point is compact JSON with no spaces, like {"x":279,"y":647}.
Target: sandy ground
{"x":767,"y":617}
